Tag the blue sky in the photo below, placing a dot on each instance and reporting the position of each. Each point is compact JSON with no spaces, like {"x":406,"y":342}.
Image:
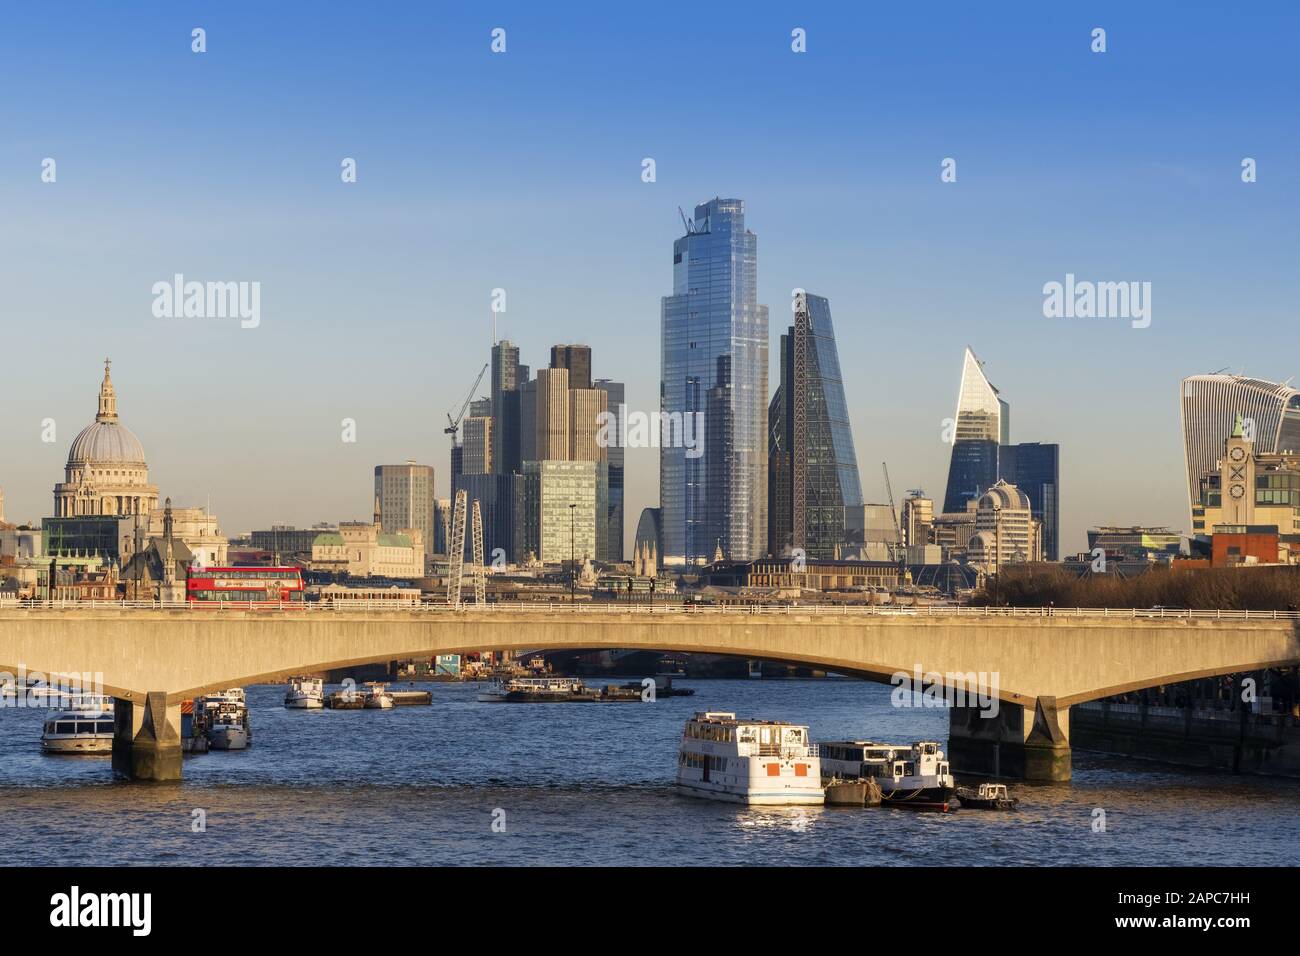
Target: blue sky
{"x":522,"y":171}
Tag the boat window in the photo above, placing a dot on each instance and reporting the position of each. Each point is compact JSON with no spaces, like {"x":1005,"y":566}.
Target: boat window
{"x":105,"y":726}
{"x":65,"y":727}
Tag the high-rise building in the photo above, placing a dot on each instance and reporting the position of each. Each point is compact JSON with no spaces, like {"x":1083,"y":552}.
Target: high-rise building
{"x":476,"y":445}
{"x":587,"y":407}
{"x":562,"y":531}
{"x":406,"y":499}
{"x":505,"y":407}
{"x":614,"y":400}
{"x":917,"y":519}
{"x":714,"y":357}
{"x":812,"y":464}
{"x":982,"y":423}
{"x":1035,"y":469}
{"x":1210,"y":407}
{"x":575,"y":358}
{"x":552,"y":415}
{"x":528,"y":421}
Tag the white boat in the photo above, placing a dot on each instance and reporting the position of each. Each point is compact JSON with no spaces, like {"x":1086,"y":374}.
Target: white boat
{"x":758,"y":762}
{"x":85,"y":728}
{"x":916,"y":777}
{"x":532,"y":690}
{"x":376,"y":696}
{"x":224,"y":717}
{"x":305,"y":693}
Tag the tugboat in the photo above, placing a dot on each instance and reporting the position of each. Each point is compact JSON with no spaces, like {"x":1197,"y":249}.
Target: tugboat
{"x":756,"y":762}
{"x":85,"y":728}
{"x":989,"y":796}
{"x":305,"y":693}
{"x":915,"y":778}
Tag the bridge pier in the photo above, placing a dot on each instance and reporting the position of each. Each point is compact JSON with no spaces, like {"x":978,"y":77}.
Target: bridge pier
{"x":1025,"y":742}
{"x":147,"y":738}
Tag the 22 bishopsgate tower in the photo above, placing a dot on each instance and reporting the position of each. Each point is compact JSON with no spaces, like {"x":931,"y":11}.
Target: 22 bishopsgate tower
{"x":714,"y":373}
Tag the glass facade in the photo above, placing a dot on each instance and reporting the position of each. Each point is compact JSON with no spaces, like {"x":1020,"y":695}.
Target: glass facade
{"x":714,"y":362}
{"x":615,"y":454}
{"x":982,"y":423}
{"x":1035,"y":469}
{"x":813,"y":483}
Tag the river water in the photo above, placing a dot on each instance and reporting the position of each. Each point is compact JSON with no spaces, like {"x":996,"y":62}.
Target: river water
{"x":592,"y":783}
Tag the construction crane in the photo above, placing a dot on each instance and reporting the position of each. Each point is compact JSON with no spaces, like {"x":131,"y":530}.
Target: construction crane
{"x":900,"y":552}
{"x":453,"y":426}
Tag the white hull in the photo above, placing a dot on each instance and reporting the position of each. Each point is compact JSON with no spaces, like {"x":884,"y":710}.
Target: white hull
{"x":304,"y":703}
{"x":78,"y":745}
{"x":379,"y":703}
{"x":780,"y":798}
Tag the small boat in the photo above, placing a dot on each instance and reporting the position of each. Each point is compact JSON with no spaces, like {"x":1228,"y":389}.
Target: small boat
{"x":345,"y":700}
{"x":85,"y":728}
{"x":915,"y":778}
{"x":989,"y":796}
{"x":376,"y":696}
{"x":536,"y":690}
{"x":223,"y":719}
{"x":755,"y":762}
{"x":305,"y":693}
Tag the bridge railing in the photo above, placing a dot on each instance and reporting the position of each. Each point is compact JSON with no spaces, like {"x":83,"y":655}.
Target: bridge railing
{"x":676,"y":609}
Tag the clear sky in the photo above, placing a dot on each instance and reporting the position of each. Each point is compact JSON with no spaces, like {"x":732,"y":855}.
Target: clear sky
{"x":522,"y":171}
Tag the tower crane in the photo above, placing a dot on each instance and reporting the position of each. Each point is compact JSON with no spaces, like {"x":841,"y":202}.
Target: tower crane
{"x":453,"y":426}
{"x":900,"y":552}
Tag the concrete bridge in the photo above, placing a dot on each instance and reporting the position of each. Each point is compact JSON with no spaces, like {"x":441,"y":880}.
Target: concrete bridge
{"x":1037,"y":663}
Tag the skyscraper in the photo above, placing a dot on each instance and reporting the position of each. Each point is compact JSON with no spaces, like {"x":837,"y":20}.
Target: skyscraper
{"x":614,"y":398}
{"x":505,"y":407}
{"x":714,"y":356}
{"x":982,"y":423}
{"x":1035,"y":469}
{"x":813,"y":468}
{"x":405,"y":499}
{"x":1210,"y":406}
{"x":552,"y":415}
{"x":575,"y":358}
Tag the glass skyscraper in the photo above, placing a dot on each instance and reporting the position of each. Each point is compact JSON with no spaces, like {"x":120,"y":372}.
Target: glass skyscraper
{"x":1035,"y":469}
{"x":982,"y":423}
{"x":813,"y":468}
{"x":714,"y":362}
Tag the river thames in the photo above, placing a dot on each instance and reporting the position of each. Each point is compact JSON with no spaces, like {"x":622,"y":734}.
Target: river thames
{"x":593,"y":784}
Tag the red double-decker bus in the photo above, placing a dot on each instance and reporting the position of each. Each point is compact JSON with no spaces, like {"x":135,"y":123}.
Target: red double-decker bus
{"x":265,"y":586}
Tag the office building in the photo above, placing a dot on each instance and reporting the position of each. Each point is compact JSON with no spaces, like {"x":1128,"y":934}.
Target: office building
{"x":812,"y":464}
{"x":714,"y":358}
{"x":576,"y":359}
{"x":614,"y":456}
{"x":982,"y":422}
{"x":406,"y":499}
{"x":1035,"y":469}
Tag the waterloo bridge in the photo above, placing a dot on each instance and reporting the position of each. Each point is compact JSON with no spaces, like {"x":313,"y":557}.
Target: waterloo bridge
{"x":1042,"y":661}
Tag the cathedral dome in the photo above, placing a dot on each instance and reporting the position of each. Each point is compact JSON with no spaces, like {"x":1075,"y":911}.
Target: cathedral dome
{"x":106,"y":443}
